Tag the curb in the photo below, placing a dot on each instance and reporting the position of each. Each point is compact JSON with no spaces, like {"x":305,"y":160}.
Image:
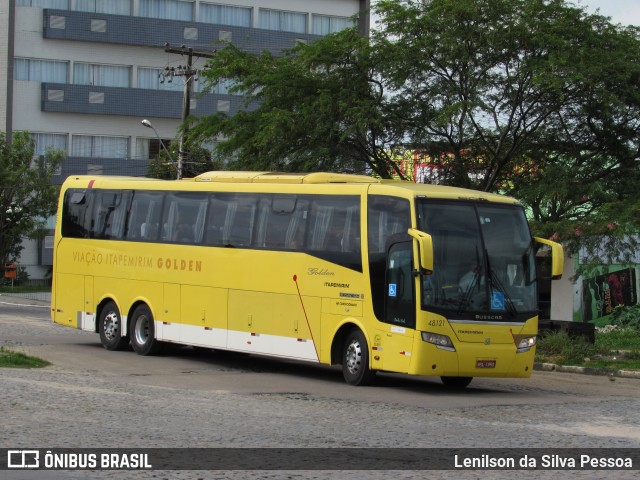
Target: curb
{"x":552,"y":367}
{"x":24,"y":301}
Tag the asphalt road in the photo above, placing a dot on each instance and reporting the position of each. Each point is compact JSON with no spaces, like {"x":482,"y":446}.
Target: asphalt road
{"x":90,"y":397}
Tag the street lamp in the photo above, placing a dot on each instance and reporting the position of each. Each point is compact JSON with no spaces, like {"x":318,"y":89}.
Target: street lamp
{"x":148,"y":124}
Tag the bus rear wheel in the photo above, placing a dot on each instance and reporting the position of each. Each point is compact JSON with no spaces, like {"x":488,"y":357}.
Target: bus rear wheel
{"x":110,"y":328}
{"x":458,"y":383}
{"x":355,"y":360}
{"x":142,"y":331}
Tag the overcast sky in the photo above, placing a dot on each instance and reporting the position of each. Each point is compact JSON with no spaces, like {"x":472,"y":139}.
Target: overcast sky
{"x":626,"y":12}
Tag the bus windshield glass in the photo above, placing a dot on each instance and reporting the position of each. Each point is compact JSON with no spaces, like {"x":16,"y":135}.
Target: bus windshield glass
{"x":483,"y":266}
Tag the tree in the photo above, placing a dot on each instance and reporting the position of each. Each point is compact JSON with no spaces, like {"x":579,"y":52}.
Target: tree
{"x":198,"y":160}
{"x":534,"y":98}
{"x":26,"y":194}
{"x":318,"y":106}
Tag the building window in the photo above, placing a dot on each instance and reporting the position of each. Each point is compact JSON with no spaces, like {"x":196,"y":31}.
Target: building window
{"x":148,"y":148}
{"x":59,"y":4}
{"x":95,"y":169}
{"x":115,"y":7}
{"x":90,"y":146}
{"x":150,"y":78}
{"x":224,"y":106}
{"x":220,"y":88}
{"x":283,"y":21}
{"x":169,"y":9}
{"x":57,"y":22}
{"x":48,"y":141}
{"x":225,"y":15}
{"x":98,"y":25}
{"x":40,"y":70}
{"x":324,"y":25}
{"x":55,"y":95}
{"x":96,"y":97}
{"x":190,"y":33}
{"x":101,"y":75}
{"x":43,"y":142}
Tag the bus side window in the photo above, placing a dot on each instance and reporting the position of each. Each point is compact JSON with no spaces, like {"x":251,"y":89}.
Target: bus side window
{"x":294,"y":236}
{"x":320,"y":236}
{"x":280,"y":223}
{"x":76,"y":213}
{"x":109,"y":214}
{"x":239,"y":222}
{"x":215,"y":221}
{"x":335,"y":226}
{"x":183,"y":217}
{"x":144,"y":216}
{"x":231,"y":220}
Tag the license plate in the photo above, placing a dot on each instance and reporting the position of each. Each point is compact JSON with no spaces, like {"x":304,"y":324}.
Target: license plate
{"x":485,"y":364}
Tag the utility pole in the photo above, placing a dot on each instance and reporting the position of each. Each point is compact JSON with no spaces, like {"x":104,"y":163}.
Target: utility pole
{"x":189,"y":73}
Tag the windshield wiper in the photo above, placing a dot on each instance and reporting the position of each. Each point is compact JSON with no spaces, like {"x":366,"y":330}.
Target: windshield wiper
{"x":466,"y":296}
{"x":495,"y":281}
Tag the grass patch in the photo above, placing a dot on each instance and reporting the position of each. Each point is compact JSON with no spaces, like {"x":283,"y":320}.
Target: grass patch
{"x":12,"y":359}
{"x":616,"y":349}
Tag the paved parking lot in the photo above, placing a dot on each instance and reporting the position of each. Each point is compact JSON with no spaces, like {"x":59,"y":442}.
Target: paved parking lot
{"x":90,"y":397}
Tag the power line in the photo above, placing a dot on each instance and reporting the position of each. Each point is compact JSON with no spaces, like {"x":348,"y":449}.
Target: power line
{"x":188,"y":72}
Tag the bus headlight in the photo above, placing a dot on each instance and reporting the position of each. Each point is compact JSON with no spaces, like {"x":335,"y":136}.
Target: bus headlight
{"x":441,"y":341}
{"x":526,"y":344}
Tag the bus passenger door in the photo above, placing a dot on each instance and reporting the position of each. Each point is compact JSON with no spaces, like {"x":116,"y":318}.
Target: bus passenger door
{"x":399,"y":311}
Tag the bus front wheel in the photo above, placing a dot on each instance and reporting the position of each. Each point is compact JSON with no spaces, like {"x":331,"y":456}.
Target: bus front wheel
{"x":142,"y":331}
{"x":110,"y":328}
{"x":355,"y":360}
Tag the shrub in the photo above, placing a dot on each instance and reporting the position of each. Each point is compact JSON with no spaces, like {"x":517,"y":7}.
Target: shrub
{"x":626,"y":316}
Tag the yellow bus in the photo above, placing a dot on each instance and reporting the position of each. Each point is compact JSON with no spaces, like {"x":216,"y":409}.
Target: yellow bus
{"x":374,"y":275}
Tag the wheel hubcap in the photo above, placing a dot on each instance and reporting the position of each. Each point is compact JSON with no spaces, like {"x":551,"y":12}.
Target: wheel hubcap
{"x":141,"y":331}
{"x":111,"y":326}
{"x":353,"y":356}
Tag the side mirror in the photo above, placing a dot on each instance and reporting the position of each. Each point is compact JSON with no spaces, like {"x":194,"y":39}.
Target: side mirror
{"x":425,"y":248}
{"x":557,"y":257}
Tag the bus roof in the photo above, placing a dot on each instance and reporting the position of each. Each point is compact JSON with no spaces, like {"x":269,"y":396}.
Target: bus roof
{"x":282,"y":177}
{"x":376,"y":185}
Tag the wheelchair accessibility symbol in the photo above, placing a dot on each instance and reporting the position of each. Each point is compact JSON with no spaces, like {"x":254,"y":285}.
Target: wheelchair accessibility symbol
{"x":392,"y":289}
{"x":497,"y":300}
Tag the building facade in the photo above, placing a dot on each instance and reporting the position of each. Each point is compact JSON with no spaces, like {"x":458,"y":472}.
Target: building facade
{"x":81,"y":75}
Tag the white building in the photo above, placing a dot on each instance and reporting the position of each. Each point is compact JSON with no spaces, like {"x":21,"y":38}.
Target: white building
{"x":80,"y":75}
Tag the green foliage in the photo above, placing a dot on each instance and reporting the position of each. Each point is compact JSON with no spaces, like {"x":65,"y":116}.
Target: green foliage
{"x":626,"y":316}
{"x":562,"y":349}
{"x":613,"y":349}
{"x":320,"y":106}
{"x":537,"y":99}
{"x":26,"y":196}
{"x":22,"y":278}
{"x":531,"y":98}
{"x":12,"y":359}
{"x":197,"y":160}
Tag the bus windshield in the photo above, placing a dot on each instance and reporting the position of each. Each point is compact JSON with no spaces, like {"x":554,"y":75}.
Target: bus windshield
{"x":483,"y":266}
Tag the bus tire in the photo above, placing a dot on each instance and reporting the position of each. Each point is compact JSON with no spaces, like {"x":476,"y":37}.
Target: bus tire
{"x":110,"y":328}
{"x":142,"y":332}
{"x":355,"y":359}
{"x":457,"y":383}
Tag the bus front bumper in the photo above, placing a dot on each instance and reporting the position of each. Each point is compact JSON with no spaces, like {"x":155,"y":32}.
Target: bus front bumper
{"x":471,"y":360}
